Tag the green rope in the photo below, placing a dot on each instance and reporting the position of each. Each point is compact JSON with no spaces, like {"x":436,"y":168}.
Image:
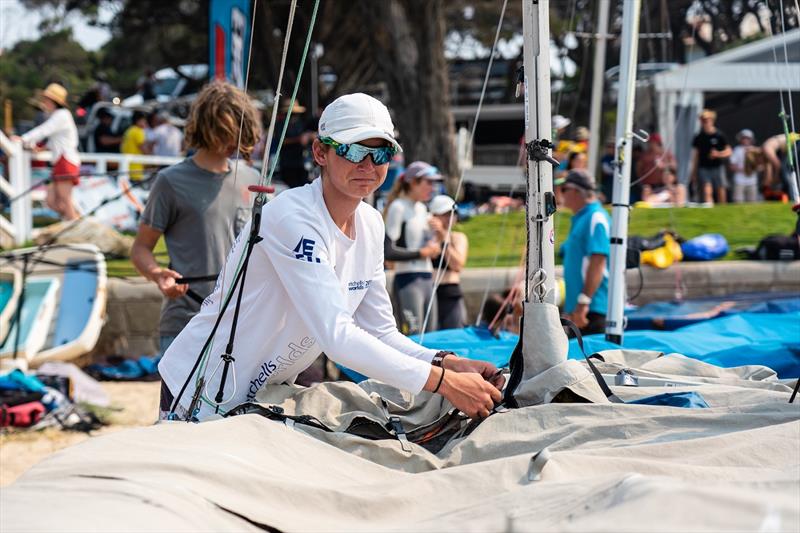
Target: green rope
{"x":294,"y":92}
{"x":204,"y":360}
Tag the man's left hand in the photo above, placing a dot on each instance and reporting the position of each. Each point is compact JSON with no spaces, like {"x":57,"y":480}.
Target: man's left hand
{"x":484,"y":368}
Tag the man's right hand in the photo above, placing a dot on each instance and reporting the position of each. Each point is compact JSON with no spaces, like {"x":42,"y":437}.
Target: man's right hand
{"x":165,"y":279}
{"x":470,"y":393}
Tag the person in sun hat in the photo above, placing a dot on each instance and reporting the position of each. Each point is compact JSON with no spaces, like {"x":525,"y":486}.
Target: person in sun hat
{"x":292,"y":162}
{"x":62,"y":140}
{"x":452,"y":311}
{"x":315,"y":282}
{"x":409,"y":244}
{"x":585,"y":252}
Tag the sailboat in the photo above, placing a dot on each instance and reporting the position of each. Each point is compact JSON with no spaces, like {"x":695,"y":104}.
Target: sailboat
{"x":559,"y":454}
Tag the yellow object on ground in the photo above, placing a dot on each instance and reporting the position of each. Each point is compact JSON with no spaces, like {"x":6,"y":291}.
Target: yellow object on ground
{"x":665,"y":255}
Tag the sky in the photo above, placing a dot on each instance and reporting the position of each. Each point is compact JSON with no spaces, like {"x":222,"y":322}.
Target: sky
{"x":18,"y":23}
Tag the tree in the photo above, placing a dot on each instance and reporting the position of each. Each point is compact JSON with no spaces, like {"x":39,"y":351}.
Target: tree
{"x":31,"y":65}
{"x":403,"y":54}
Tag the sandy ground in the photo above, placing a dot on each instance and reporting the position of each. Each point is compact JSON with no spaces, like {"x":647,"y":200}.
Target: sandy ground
{"x":135,"y":404}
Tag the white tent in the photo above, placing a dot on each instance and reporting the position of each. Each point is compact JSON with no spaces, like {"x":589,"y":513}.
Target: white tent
{"x":748,"y":68}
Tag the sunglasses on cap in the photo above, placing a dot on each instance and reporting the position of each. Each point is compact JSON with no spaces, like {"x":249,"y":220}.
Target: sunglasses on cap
{"x":356,"y":153}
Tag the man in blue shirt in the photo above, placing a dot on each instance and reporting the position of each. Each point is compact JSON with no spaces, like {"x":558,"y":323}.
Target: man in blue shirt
{"x":585,"y":253}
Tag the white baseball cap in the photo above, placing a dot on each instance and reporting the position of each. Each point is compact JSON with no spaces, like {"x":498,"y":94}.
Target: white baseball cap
{"x":356,"y":117}
{"x":441,"y":204}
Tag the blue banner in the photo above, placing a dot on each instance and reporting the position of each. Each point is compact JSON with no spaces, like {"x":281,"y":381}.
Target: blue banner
{"x":229,"y":40}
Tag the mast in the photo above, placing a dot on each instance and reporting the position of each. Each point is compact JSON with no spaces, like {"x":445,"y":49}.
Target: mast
{"x":540,"y":205}
{"x":622,"y":173}
{"x":601,"y":38}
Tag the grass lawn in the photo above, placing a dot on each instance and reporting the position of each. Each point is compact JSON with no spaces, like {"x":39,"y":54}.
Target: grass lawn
{"x":741,"y":224}
{"x":120,"y":268}
{"x":504,"y":236}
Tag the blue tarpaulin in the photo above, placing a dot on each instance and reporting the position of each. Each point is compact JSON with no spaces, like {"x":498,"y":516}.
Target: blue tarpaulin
{"x":674,"y":315}
{"x":769,"y":339}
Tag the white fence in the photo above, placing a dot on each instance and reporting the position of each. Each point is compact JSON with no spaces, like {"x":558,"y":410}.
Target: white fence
{"x":19,"y":227}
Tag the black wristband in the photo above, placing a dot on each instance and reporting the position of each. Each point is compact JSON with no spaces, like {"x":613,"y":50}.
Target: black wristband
{"x":438,"y":358}
{"x":441,"y":378}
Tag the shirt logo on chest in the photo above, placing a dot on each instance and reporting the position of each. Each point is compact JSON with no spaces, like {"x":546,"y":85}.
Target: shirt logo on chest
{"x":360,"y":285}
{"x":305,"y":250}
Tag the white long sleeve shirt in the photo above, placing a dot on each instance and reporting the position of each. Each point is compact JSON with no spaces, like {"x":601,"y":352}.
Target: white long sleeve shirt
{"x":407,"y":226}
{"x":61,"y":133}
{"x":309,"y":288}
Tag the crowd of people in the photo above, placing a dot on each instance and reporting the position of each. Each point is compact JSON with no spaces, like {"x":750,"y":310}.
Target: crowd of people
{"x":323,"y":253}
{"x":718,"y":171}
{"x":318,"y":272}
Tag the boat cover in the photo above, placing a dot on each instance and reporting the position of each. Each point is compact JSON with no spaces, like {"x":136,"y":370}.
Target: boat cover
{"x":555,"y":467}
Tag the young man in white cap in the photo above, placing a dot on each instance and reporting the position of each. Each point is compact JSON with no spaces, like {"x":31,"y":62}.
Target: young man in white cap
{"x":744,"y":164}
{"x":315,"y":283}
{"x":452,"y":311}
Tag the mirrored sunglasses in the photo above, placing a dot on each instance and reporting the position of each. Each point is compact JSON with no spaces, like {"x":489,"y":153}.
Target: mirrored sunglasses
{"x":356,"y":153}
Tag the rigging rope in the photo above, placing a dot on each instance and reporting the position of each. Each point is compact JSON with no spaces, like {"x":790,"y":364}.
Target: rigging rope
{"x":199,"y":367}
{"x":494,"y":261}
{"x":242,"y":259}
{"x":791,"y":147}
{"x":682,"y":114}
{"x":562,"y":55}
{"x":439,"y":268}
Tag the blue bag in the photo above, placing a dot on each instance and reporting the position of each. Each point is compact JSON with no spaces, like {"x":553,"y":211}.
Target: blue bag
{"x":706,"y":247}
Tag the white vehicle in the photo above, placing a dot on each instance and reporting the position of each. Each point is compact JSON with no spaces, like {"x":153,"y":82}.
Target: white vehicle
{"x":121,"y":121}
{"x":170,"y":84}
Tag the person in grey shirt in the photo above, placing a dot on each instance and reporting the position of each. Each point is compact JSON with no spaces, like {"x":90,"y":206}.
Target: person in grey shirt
{"x":199,"y":205}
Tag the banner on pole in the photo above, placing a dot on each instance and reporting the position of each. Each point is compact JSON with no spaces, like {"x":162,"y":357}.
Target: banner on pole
{"x":229,"y":37}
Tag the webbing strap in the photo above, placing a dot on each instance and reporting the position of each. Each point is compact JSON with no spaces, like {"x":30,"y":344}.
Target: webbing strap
{"x":597,"y":375}
{"x":399,"y":432}
{"x":396,"y":426}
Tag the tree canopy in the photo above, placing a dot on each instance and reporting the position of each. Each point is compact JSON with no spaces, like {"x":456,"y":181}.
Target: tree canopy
{"x":400,"y":53}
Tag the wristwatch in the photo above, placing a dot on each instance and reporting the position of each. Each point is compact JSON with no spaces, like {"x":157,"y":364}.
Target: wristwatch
{"x":438,"y":359}
{"x":584,"y":300}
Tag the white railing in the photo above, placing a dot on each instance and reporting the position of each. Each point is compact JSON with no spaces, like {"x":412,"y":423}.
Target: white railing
{"x":123,"y":161}
{"x":20,"y":225}
{"x":16,"y":187}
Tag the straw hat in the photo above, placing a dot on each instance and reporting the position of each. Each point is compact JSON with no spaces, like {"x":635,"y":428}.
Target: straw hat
{"x":296,"y":108}
{"x":54,"y":92}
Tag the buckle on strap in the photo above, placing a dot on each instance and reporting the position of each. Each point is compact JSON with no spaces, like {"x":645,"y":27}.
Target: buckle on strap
{"x":399,"y":432}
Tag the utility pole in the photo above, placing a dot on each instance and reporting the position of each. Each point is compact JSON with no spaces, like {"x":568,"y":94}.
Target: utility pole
{"x":596,"y":110}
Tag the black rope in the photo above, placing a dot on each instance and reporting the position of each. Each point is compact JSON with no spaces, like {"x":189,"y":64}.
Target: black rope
{"x":238,"y":282}
{"x":227,"y":357}
{"x":195,"y":279}
{"x":641,"y":283}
